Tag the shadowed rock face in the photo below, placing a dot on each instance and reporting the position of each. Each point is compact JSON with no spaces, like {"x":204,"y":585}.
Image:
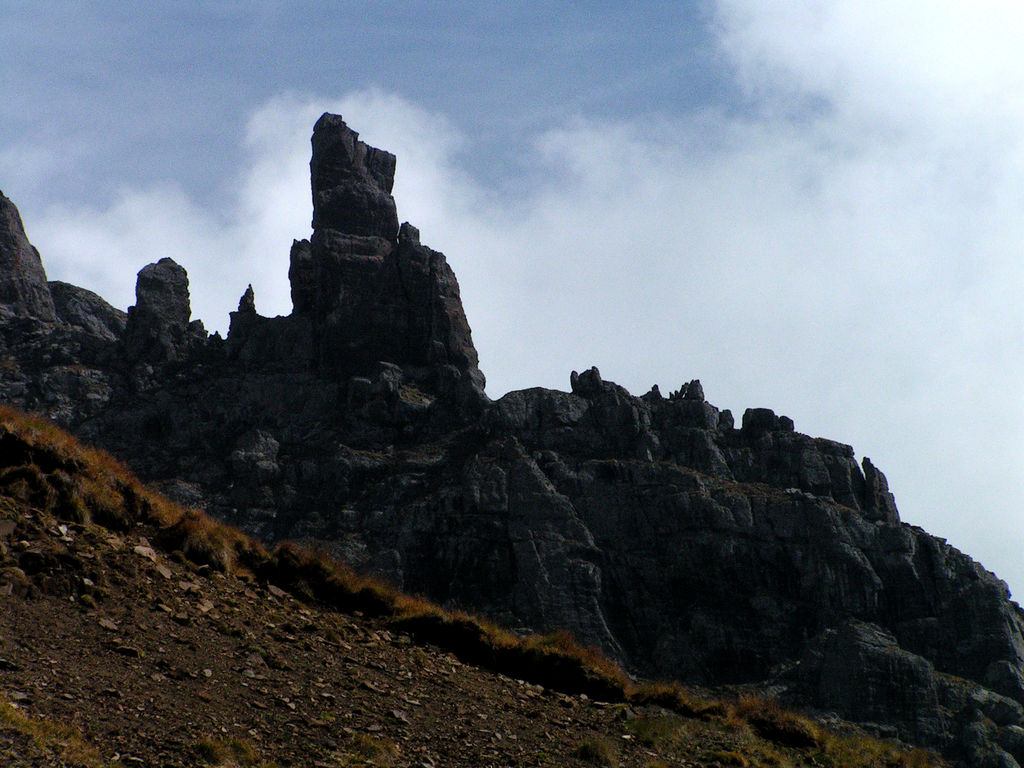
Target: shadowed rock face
{"x":371,"y":290}
{"x":79,"y":308}
{"x":685,"y":546}
{"x":158,"y":323}
{"x":351,"y":183}
{"x":23,"y":289}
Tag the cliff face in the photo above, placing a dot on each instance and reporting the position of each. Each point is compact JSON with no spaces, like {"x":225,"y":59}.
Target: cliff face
{"x":23,"y":290}
{"x":685,"y":545}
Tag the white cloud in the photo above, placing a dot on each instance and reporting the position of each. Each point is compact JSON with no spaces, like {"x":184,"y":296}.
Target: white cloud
{"x":912,"y":143}
{"x":894,"y":61}
{"x":27,"y":160}
{"x":103,"y":249}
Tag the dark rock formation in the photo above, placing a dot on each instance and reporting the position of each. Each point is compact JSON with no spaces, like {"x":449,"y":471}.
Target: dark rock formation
{"x":84,"y":310}
{"x":351,"y":183}
{"x":158,"y":324}
{"x":651,"y":526}
{"x":23,"y":289}
{"x":302,"y":278}
{"x":371,"y":289}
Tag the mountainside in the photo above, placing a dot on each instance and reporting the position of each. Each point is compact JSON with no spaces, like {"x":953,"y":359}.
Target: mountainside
{"x":685,"y":546}
{"x":134,"y":632}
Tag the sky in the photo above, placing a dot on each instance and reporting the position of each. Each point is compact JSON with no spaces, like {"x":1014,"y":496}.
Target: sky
{"x":811,"y":206}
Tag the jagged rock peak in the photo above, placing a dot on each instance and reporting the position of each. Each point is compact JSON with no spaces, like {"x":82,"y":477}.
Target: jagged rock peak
{"x":408,"y":234}
{"x":689,"y":391}
{"x":23,"y":287}
{"x":370,"y":290}
{"x":881,"y":504}
{"x":352,"y":182}
{"x":247,"y":303}
{"x":158,"y":323}
{"x":162,"y":289}
{"x":587,"y":383}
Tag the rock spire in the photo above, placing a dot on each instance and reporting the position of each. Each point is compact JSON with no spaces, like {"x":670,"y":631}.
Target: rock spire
{"x":372,"y":291}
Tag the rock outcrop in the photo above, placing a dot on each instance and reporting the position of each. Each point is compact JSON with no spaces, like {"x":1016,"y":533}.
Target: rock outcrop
{"x":684,"y":545}
{"x":370,"y":288}
{"x":157,"y":326}
{"x":84,"y":310}
{"x":23,"y":289}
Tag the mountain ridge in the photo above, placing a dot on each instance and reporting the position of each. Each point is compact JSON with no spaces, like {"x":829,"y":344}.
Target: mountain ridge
{"x":682,"y":544}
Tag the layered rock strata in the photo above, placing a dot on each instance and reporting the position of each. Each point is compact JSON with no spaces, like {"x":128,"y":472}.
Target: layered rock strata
{"x":685,"y":545}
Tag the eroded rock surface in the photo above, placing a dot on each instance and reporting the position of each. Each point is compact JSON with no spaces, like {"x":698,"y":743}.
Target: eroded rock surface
{"x":157,"y":326}
{"x":23,"y":289}
{"x":685,"y":545}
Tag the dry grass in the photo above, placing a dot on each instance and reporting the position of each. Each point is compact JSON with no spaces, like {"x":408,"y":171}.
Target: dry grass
{"x":312,"y":574}
{"x":554,"y":660}
{"x":367,"y":750}
{"x":597,"y":750}
{"x":731,"y":758}
{"x":676,"y":698}
{"x":207,"y":542}
{"x":49,"y":470}
{"x":59,"y":745}
{"x":773,"y":723}
{"x":867,"y":751}
{"x":227,"y":752}
{"x":653,"y":731}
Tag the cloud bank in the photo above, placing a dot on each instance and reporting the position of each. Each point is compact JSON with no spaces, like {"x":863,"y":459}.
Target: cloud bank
{"x":842,"y":244}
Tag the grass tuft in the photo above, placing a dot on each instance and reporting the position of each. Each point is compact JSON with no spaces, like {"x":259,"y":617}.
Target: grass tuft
{"x":654,"y":731}
{"x":206,"y":542}
{"x":367,"y":750}
{"x":227,"y":752}
{"x":730,"y":758}
{"x":773,"y":723}
{"x":597,"y":750}
{"x":676,"y":698}
{"x":60,"y":745}
{"x":868,"y":751}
